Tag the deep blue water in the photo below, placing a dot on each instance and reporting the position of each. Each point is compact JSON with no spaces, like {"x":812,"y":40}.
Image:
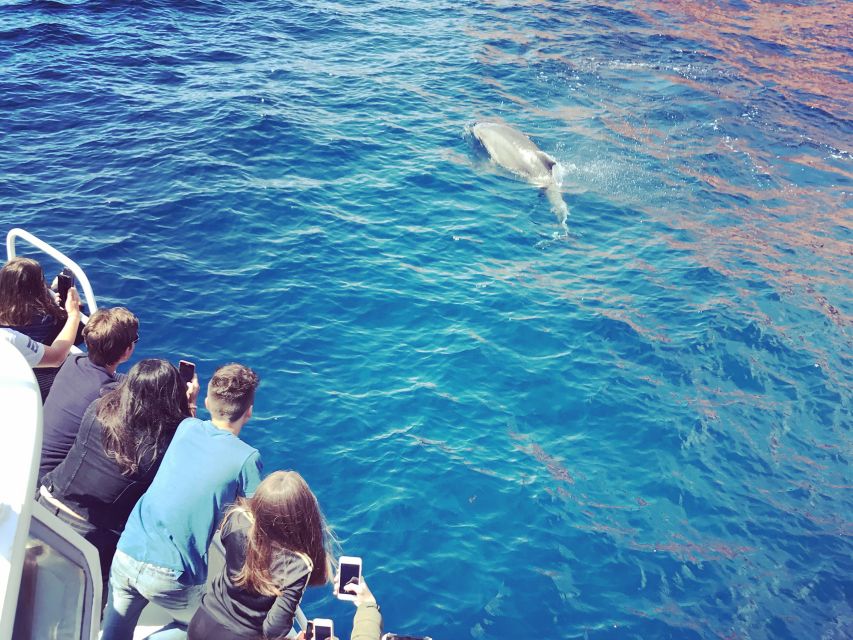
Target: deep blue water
{"x":639,"y":431}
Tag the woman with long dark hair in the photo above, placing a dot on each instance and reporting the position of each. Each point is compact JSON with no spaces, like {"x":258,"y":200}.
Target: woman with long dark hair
{"x":121,"y":442}
{"x":276,"y":544}
{"x":25,"y":300}
{"x":28,"y":306}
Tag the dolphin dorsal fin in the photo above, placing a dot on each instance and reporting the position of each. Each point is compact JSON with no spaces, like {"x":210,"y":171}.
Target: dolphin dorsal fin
{"x":547,"y":160}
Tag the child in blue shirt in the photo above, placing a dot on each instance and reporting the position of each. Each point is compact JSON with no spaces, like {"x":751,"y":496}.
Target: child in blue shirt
{"x":162,"y":553}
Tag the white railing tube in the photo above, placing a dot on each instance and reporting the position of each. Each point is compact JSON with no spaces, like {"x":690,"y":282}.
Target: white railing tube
{"x":57,"y":255}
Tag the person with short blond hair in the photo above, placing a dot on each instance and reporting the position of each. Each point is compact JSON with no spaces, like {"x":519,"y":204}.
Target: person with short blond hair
{"x":162,"y":552}
{"x":110,"y":335}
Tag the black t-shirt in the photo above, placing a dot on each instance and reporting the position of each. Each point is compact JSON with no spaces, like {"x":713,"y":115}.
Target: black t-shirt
{"x":77,"y":385}
{"x":247,"y":614}
{"x":91,"y":483}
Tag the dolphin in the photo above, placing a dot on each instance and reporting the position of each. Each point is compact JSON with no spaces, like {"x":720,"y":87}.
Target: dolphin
{"x":517,"y":153}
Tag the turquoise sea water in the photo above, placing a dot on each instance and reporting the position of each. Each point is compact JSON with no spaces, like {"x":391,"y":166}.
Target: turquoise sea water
{"x":639,"y":431}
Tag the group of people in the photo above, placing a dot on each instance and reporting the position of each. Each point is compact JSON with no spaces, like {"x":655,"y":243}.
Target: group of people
{"x":126,"y":463}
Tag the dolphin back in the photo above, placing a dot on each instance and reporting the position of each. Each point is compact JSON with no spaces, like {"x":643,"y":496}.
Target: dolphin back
{"x":514,"y":151}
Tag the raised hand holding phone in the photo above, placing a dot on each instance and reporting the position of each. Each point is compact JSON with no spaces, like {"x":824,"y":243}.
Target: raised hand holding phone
{"x":349,"y":574}
{"x":72,"y":302}
{"x":361,"y":593}
{"x":188,"y":375}
{"x":187,"y":370}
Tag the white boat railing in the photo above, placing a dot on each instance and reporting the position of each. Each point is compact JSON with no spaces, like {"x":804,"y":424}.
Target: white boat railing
{"x":79,"y":274}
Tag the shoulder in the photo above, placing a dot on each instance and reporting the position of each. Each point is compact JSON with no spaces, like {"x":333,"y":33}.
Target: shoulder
{"x":74,"y":366}
{"x":291,"y":567}
{"x":91,"y":412}
{"x":238,"y":521}
{"x":90,"y":418}
{"x":240,"y":452}
{"x":189,"y":428}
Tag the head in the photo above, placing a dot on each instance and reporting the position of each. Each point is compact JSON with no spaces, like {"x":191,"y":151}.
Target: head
{"x":231,"y":393}
{"x":110,"y":336}
{"x":24,"y":294}
{"x":140,"y":416}
{"x":285,"y":515}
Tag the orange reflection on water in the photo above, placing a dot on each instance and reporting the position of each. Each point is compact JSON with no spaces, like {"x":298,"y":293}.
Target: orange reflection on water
{"x":798,"y":49}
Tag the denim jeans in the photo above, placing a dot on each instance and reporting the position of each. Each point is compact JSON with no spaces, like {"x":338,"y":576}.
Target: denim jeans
{"x":133,"y":584}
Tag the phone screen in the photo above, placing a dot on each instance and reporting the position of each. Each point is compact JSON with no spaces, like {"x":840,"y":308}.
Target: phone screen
{"x":187,"y":370}
{"x":322,"y":632}
{"x":348,"y":572}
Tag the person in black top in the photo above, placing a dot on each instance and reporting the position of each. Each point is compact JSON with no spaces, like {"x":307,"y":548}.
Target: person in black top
{"x":29,"y":307}
{"x":276,"y":544}
{"x":110,"y":336}
{"x":121,"y":441}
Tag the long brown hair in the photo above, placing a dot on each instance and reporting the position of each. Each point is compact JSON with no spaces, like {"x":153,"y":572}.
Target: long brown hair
{"x":24,"y":294}
{"x":141,"y":415}
{"x":285,"y":515}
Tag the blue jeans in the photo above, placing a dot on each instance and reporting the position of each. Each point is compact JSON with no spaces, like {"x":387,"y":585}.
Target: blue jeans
{"x":134,"y":584}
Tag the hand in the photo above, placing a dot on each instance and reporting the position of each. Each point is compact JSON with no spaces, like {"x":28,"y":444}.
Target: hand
{"x":192,"y":395}
{"x":72,"y":302}
{"x":192,"y":390}
{"x":361,"y":591}
{"x":53,"y":290}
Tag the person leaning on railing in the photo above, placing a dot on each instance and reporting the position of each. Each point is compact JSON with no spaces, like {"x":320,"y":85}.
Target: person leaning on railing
{"x":38,"y":354}
{"x":29,"y":307}
{"x":276,"y":544}
{"x":111,"y":336}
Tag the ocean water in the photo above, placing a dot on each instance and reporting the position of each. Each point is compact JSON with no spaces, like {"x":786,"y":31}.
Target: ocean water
{"x":641,"y":430}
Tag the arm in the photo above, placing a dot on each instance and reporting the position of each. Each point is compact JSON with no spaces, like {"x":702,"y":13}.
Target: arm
{"x":279,"y":620}
{"x":55,"y":354}
{"x":250,"y":476}
{"x":367,"y":624}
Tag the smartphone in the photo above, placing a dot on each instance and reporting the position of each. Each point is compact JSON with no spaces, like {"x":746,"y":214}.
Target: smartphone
{"x":394,"y":636}
{"x":65,"y":280}
{"x":187,"y":370}
{"x":319,"y":629}
{"x":350,"y":572}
